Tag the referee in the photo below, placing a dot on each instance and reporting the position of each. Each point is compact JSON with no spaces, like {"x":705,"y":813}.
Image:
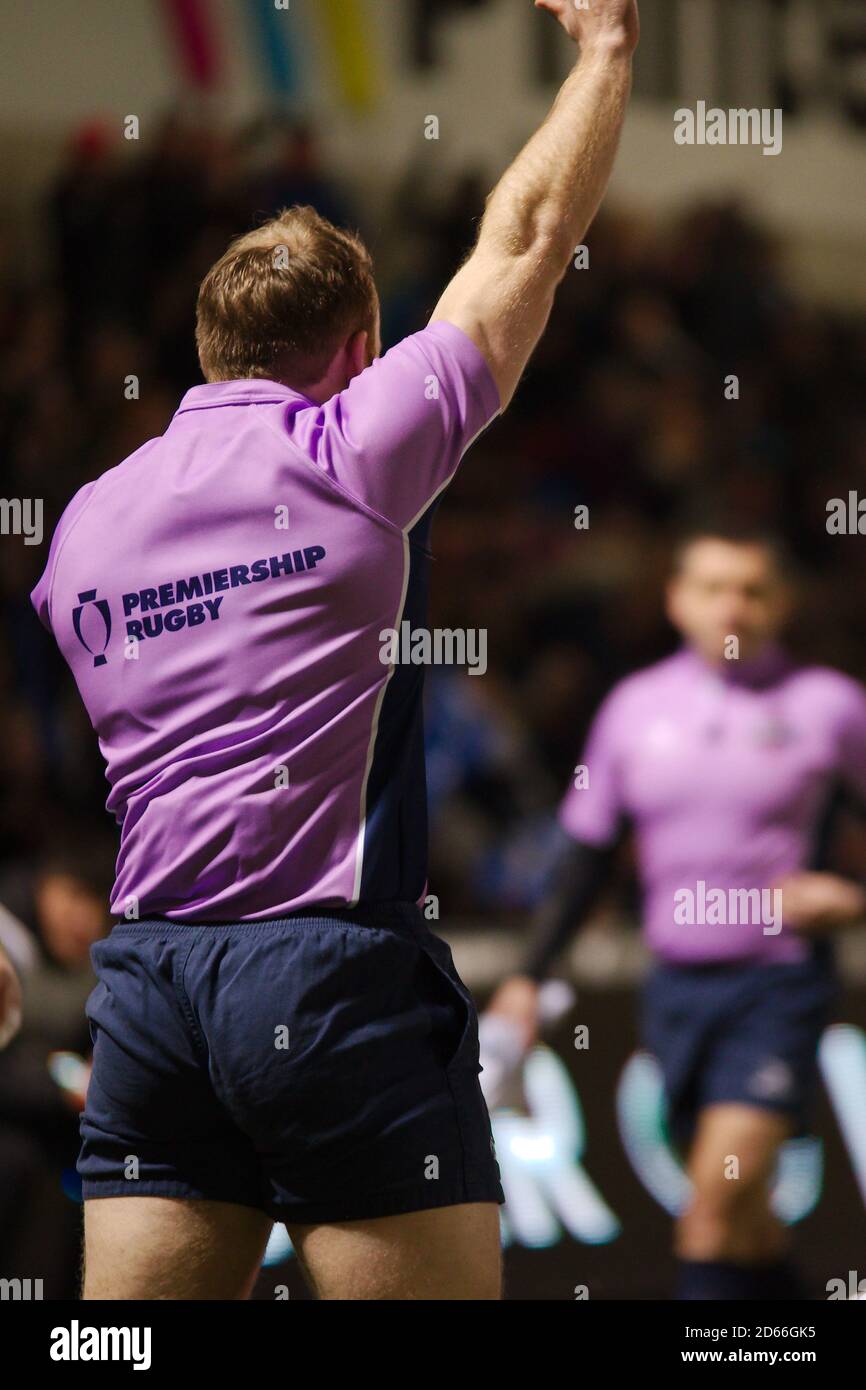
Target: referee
{"x":728,"y":762}
{"x":277,"y":1035}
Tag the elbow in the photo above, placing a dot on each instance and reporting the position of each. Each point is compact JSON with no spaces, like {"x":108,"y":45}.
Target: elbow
{"x":550,"y":252}
{"x":532,"y":233}
{"x":558,"y":248}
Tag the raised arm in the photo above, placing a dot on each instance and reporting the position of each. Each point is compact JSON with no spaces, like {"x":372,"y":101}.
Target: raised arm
{"x":543,"y":205}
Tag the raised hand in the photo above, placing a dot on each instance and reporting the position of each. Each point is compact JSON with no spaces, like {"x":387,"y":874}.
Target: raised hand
{"x":614,"y":23}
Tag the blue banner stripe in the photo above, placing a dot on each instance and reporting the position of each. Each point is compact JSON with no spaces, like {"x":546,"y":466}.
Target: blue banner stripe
{"x":276,"y":31}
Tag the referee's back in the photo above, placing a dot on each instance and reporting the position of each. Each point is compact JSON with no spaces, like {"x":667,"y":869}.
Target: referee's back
{"x":219,"y":598}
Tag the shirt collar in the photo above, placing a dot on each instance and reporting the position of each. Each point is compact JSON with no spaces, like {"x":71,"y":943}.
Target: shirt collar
{"x":762,"y":670}
{"x":254,"y":391}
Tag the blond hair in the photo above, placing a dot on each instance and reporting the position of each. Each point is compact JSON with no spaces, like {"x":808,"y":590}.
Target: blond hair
{"x":283,"y":299}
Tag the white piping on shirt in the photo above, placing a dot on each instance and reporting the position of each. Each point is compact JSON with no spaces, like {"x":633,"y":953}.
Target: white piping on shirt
{"x":374,"y":731}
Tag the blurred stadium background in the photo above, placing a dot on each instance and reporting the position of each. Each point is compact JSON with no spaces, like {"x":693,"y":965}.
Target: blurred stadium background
{"x":136,"y":139}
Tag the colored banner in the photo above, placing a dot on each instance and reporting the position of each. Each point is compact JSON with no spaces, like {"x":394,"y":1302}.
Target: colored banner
{"x":275,"y":41}
{"x":193,"y":29}
{"x":348,"y":31}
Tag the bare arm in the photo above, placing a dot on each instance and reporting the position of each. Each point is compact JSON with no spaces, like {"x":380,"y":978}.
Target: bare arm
{"x":543,"y":205}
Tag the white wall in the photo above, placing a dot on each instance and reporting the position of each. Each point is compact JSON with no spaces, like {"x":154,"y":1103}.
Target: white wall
{"x":66,"y":60}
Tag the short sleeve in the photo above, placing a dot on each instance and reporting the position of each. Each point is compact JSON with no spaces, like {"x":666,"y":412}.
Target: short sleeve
{"x":40,"y":597}
{"x":592,"y":809}
{"x":394,"y":438}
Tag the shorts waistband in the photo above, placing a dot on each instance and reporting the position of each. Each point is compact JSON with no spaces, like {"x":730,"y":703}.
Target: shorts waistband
{"x":364,"y":915}
{"x":816,"y":961}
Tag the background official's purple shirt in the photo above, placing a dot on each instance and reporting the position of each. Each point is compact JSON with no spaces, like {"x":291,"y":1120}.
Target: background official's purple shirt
{"x":260,"y":756}
{"x":726,"y":778}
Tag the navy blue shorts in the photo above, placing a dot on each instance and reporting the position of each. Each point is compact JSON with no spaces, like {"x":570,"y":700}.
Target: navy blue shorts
{"x":738,"y":1032}
{"x":319,"y":1068}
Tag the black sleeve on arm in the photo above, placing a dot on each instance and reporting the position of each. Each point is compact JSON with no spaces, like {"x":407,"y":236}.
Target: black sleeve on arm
{"x":577,"y":880}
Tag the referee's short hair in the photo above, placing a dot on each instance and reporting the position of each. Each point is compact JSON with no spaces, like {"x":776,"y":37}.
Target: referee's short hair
{"x":709,"y":524}
{"x":283,"y":299}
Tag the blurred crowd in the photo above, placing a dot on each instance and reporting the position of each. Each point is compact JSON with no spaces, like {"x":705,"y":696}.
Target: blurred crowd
{"x":624,"y":413}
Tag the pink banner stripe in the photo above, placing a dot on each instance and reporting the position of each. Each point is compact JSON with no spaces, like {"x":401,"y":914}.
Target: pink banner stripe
{"x":194,"y":32}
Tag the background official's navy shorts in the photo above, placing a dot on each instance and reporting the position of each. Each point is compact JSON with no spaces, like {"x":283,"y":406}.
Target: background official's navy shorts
{"x":738,"y":1032}
{"x":320,"y":1068}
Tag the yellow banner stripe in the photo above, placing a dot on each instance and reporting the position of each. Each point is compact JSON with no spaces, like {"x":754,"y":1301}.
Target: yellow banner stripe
{"x":349,"y":33}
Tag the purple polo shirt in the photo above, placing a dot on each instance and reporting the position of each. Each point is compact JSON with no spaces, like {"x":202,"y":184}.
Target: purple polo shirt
{"x":219,"y":598}
{"x":725,"y":777}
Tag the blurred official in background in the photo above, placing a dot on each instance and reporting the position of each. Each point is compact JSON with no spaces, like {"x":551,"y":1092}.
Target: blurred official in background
{"x":729,"y":761}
